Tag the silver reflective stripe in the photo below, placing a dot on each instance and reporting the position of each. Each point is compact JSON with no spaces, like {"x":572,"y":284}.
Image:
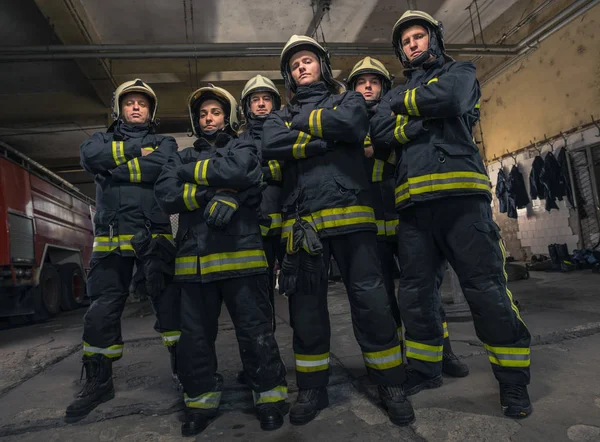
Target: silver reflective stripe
{"x":224,"y":261}
{"x":509,"y":356}
{"x":186,"y":265}
{"x":382,"y":360}
{"x":420,"y":351}
{"x":323,"y":219}
{"x":104,"y":351}
{"x":275,"y":395}
{"x":206,"y":400}
{"x":312,"y":363}
{"x":448,"y":181}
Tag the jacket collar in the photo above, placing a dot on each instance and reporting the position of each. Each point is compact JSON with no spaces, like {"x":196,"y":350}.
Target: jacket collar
{"x":221,"y":140}
{"x":125,"y":131}
{"x":437,"y":63}
{"x":312,"y":93}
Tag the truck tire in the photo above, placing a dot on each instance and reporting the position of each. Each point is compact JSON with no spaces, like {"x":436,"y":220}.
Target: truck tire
{"x":47,"y":294}
{"x":73,"y":286}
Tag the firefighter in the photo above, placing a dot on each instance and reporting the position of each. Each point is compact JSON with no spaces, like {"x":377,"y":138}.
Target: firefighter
{"x":326,"y":211}
{"x":370,"y":77}
{"x":216,"y":189}
{"x":126,"y":161}
{"x":443,"y":199}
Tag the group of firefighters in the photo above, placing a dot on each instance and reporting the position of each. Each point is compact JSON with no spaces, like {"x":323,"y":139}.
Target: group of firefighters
{"x":366,"y":176}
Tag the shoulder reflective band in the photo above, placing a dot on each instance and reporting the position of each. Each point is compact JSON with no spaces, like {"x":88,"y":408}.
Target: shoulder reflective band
{"x":276,"y":394}
{"x":200,"y":172}
{"x":135,"y":173}
{"x":410,"y":102}
{"x":377,"y":173}
{"x":224,"y":262}
{"x":209,"y":400}
{"x":118,"y":152}
{"x":399,"y":134}
{"x":312,"y":363}
{"x":299,"y":148}
{"x":424,"y":352}
{"x":382,"y":360}
{"x":433,"y":80}
{"x":314,"y":123}
{"x":509,"y":356}
{"x":189,"y":196}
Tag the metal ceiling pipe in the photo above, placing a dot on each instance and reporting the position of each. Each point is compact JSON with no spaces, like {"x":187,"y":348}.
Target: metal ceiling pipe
{"x":536,"y":38}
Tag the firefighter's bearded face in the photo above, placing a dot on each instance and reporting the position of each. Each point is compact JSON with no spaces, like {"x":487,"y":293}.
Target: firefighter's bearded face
{"x":135,"y":108}
{"x":211,"y":116}
{"x":261,"y":103}
{"x":369,"y":85}
{"x":305,"y":68}
{"x":414,"y":41}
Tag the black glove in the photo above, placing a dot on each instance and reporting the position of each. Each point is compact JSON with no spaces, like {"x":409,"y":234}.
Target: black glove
{"x":157,"y":261}
{"x":221,"y":209}
{"x":288,"y":274}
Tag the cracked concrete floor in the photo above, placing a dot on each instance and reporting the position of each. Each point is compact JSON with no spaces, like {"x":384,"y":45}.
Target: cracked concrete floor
{"x":39,"y":372}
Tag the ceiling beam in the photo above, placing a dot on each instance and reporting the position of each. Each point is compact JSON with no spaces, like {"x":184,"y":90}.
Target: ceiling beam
{"x":72,"y":25}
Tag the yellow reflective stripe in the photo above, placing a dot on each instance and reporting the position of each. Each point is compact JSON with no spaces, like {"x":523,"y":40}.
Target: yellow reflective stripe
{"x":171,"y":337}
{"x":135,"y":173}
{"x":380,"y":227}
{"x":114,"y":351}
{"x":508,"y":292}
{"x":392,"y":158}
{"x":229,"y":203}
{"x":509,"y":356}
{"x":312,"y":363}
{"x":299,"y":147}
{"x":390,"y":227}
{"x":382,"y":360}
{"x":424,"y":352}
{"x":276,"y":394}
{"x":275,"y":168}
{"x":209,"y":400}
{"x":399,"y":130}
{"x":407,"y":103}
{"x":242,"y":260}
{"x":367,"y":142}
{"x":314,"y":123}
{"x":264,"y":230}
{"x":117,"y":152}
{"x":105,"y":243}
{"x":125,"y":242}
{"x":400,"y":334}
{"x":186,"y":265}
{"x":442,"y":181}
{"x":377,"y":174}
{"x":445,"y":327}
{"x":189,"y":196}
{"x":200,"y":172}
{"x":413,"y":98}
{"x":149,"y":148}
{"x":478,"y":105}
{"x":433,"y":80}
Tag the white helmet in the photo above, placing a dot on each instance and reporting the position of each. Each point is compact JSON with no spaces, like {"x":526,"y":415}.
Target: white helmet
{"x":259,"y":84}
{"x":232,"y":121}
{"x":136,"y":85}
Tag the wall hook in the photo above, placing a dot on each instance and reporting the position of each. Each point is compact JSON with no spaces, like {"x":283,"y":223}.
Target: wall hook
{"x":597,"y":124}
{"x":534,"y":145}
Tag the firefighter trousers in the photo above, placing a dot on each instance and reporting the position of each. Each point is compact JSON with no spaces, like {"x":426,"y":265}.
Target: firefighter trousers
{"x":374,"y":327}
{"x":247,"y":300}
{"x":462,"y":231}
{"x":388,"y":250}
{"x":108,"y":287}
{"x":274,"y":251}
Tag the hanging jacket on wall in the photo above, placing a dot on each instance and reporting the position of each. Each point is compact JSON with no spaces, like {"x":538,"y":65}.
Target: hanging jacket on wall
{"x":550,"y":177}
{"x":517,"y":192}
{"x":570,"y":186}
{"x":501,"y":191}
{"x":536,"y":187}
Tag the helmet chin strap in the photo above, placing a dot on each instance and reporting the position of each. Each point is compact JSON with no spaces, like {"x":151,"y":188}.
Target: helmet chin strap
{"x":421,"y":59}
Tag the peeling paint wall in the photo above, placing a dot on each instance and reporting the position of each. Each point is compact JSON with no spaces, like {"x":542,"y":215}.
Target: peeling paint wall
{"x":555,"y":89}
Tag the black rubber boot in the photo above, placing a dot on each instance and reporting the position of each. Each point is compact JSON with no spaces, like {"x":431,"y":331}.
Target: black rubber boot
{"x":451,"y":365}
{"x":399,"y":409}
{"x":196,"y":421}
{"x":308,"y":404}
{"x":271,"y":415}
{"x":98,"y":387}
{"x":416,"y":382}
{"x":173,"y":357}
{"x":515,"y":401}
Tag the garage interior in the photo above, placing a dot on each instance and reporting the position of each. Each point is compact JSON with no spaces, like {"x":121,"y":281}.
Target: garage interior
{"x":538,"y":64}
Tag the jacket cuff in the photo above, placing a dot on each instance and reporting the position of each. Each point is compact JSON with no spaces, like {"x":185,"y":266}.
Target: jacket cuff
{"x":397,"y":104}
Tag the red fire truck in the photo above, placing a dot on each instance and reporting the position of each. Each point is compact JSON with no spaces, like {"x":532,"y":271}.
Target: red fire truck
{"x":46,"y":237}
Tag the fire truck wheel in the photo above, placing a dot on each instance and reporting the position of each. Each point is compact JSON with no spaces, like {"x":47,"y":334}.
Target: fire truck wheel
{"x":47,"y":293}
{"x":73,"y":286}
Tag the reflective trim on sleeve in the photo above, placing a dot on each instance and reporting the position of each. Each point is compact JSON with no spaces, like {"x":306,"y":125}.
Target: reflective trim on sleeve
{"x":135,"y":173}
{"x":424,"y":352}
{"x":118,"y":152}
{"x":200,"y":172}
{"x":410,"y":102}
{"x":275,"y":168}
{"x":209,"y":400}
{"x":276,"y":394}
{"x":390,"y":227}
{"x":509,"y":356}
{"x":223,"y":262}
{"x":114,"y":351}
{"x":377,"y":173}
{"x":314,"y":123}
{"x":189,"y":196}
{"x":399,"y":129}
{"x":299,"y":147}
{"x":433,"y":80}
{"x":312,"y":363}
{"x":383,"y":360}
{"x":380,"y":227}
{"x":445,"y":327}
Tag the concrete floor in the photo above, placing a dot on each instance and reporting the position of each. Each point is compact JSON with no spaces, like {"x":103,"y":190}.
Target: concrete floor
{"x":40,"y":368}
